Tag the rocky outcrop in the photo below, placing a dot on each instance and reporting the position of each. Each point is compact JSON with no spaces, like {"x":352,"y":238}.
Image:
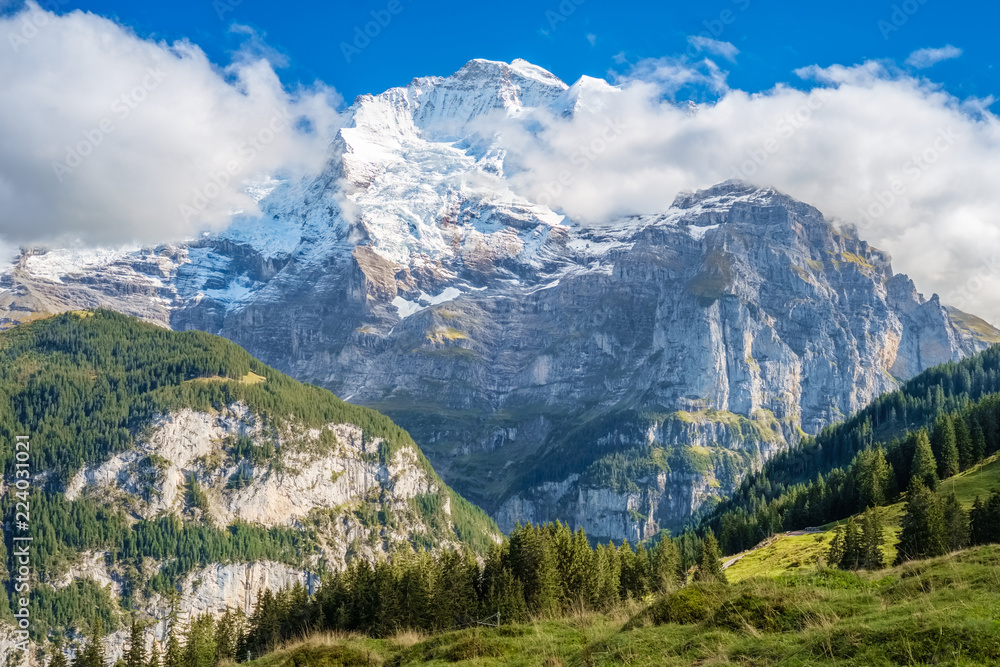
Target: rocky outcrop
{"x":297,"y":478}
{"x":335,"y":484}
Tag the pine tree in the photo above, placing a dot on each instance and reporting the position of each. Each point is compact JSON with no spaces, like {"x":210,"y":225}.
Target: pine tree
{"x":853,"y":547}
{"x":924,"y":466}
{"x":709,"y":564}
{"x":665,"y":566}
{"x":93,"y":653}
{"x":533,"y":562}
{"x":985,"y":520}
{"x":173,"y":656}
{"x":390,"y":612}
{"x":154,"y":655}
{"x":872,"y":539}
{"x":923,"y":533}
{"x":978,"y":443}
{"x":416,"y":585}
{"x":58,"y":657}
{"x":976,"y":522}
{"x":199,"y":647}
{"x":956,"y":523}
{"x":963,"y":442}
{"x":835,"y":555}
{"x":502,"y":593}
{"x":627,"y":579}
{"x":608,"y":574}
{"x":448,"y":590}
{"x":640,"y":575}
{"x":135,"y":656}
{"x":944,"y":448}
{"x":228,"y":632}
{"x":872,"y":473}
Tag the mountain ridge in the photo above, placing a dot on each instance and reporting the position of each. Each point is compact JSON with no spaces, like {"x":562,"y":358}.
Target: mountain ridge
{"x":411,"y":276}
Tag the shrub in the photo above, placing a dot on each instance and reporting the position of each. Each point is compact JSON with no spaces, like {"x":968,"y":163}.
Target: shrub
{"x":763,"y":612}
{"x":692,"y":604}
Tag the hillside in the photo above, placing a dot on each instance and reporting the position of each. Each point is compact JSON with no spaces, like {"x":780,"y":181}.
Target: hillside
{"x":906,"y":615}
{"x":816,"y":482}
{"x":791,"y":552}
{"x":174,"y":468}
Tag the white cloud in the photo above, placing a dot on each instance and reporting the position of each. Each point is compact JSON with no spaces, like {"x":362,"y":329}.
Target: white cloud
{"x":844,"y":144}
{"x":671,"y":75}
{"x":107,"y":136}
{"x":714,"y":46}
{"x":925,"y":58}
{"x":592,"y":38}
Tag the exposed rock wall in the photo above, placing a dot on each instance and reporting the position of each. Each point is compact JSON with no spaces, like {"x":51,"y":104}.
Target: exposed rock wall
{"x":517,"y":346}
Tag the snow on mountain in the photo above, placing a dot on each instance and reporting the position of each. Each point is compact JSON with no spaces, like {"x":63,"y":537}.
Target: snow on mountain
{"x":588,"y":95}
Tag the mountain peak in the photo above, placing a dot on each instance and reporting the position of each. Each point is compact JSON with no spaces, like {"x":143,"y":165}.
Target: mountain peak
{"x":726,"y":193}
{"x":516,"y":69}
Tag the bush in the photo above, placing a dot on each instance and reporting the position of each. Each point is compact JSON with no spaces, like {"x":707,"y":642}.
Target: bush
{"x":331,"y":656}
{"x":768,"y":613}
{"x":692,"y":604}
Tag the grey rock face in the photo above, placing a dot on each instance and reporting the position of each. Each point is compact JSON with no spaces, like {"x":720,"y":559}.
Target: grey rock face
{"x":616,"y":376}
{"x":738,"y":301}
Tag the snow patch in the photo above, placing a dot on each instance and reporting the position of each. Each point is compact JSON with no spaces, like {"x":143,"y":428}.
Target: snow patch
{"x":698,"y":233}
{"x":56,"y":264}
{"x":233,"y":293}
{"x":406,"y":308}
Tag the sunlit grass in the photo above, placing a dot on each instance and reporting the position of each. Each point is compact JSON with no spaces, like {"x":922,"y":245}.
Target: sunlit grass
{"x":942,"y":611}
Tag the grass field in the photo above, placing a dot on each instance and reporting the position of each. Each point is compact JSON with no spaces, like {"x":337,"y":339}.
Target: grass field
{"x":790,"y":553}
{"x":249,"y":378}
{"x":942,"y":611}
{"x":782,"y":607}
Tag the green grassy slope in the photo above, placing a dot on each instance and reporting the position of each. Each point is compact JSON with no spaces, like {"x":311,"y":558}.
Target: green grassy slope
{"x":789,"y":553}
{"x":942,"y":611}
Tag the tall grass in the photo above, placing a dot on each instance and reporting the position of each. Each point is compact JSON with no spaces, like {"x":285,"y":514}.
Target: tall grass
{"x":942,"y":611}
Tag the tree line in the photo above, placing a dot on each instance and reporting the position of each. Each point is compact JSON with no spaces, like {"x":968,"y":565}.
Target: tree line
{"x":876,"y":475}
{"x":538,"y":571}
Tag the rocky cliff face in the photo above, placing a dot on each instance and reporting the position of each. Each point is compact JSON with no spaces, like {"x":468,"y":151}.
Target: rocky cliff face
{"x":323,"y":480}
{"x":332,"y":484}
{"x":209,"y":590}
{"x":618,"y":376}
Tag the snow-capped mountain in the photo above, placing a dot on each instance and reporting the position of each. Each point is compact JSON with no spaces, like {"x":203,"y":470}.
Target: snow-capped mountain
{"x":537,"y":361}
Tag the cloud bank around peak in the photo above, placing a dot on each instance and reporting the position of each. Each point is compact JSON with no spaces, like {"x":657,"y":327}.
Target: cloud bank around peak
{"x":913,"y":167}
{"x":110,"y":138}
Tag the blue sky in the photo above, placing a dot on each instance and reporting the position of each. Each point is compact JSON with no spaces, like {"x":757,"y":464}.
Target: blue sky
{"x":424,"y":37}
